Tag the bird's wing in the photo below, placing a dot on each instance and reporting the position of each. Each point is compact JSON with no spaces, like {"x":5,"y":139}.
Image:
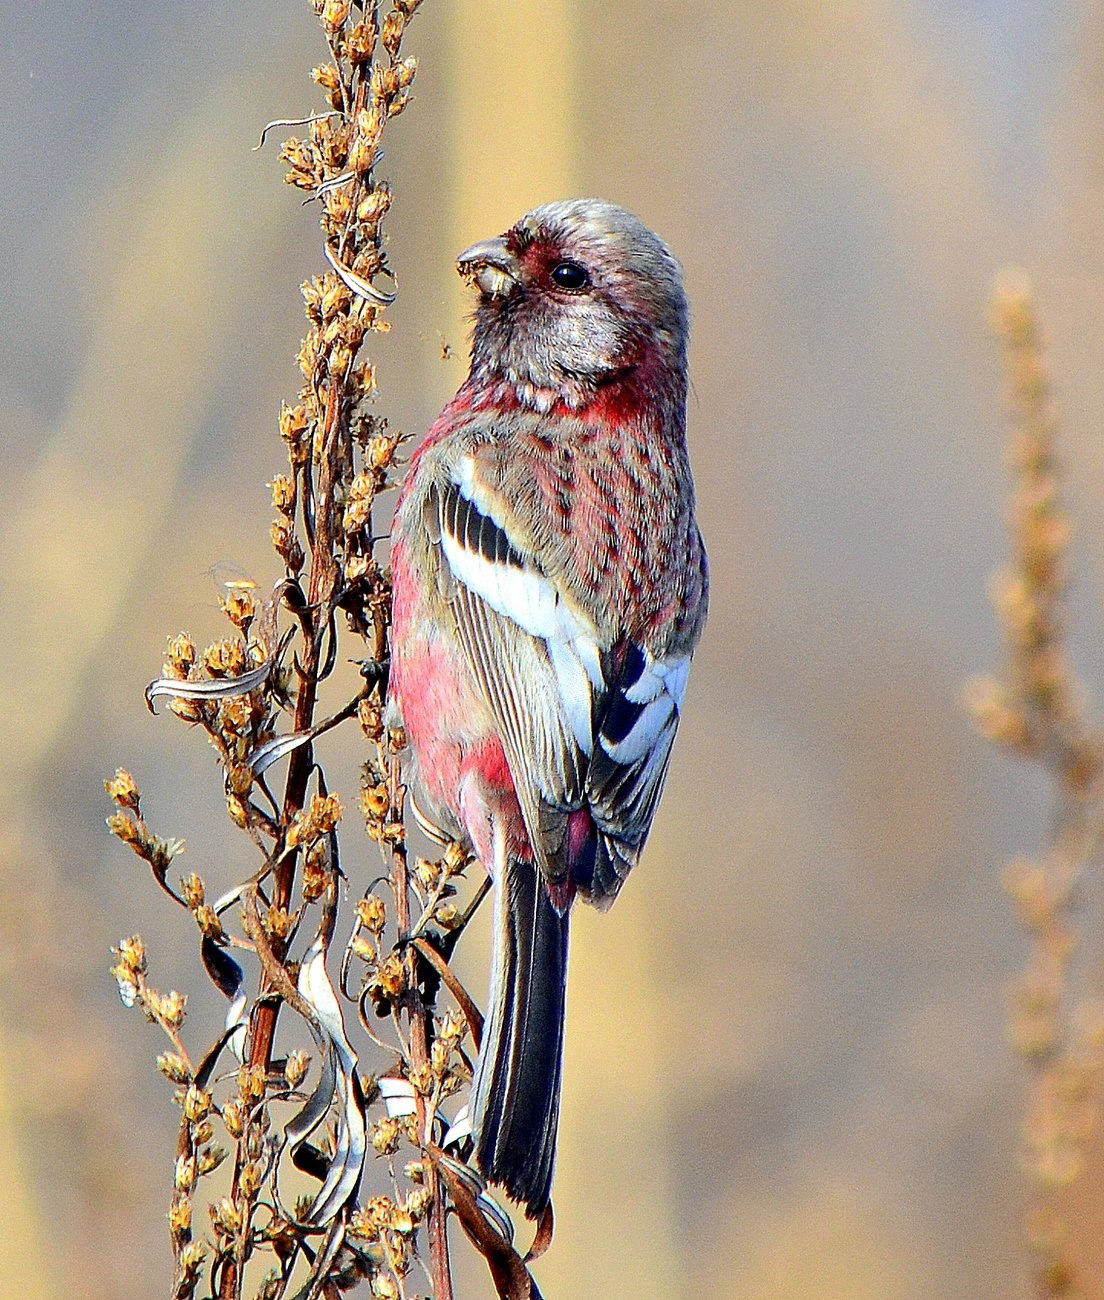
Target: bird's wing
{"x":583,"y":726}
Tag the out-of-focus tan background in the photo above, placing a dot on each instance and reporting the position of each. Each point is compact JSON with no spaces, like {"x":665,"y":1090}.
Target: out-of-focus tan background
{"x":786,"y":1072}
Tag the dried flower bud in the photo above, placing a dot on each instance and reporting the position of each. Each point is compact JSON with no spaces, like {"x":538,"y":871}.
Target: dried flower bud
{"x":121,"y":826}
{"x":181,"y":653}
{"x":456,"y":859}
{"x":384,"y":1287}
{"x":294,"y":421}
{"x":372,"y":913}
{"x":428,"y":873}
{"x":405,"y":71}
{"x":277,"y":922}
{"x":326,"y":78}
{"x":197,"y":1104}
{"x":251,"y":1083}
{"x":390,"y":978}
{"x":193,"y":1255}
{"x":316,"y":873}
{"x":184,"y":1173}
{"x":334,"y":15}
{"x":393,"y":27}
{"x":240,"y":607}
{"x":180,"y":1215}
{"x":132,"y":954}
{"x":239,"y":776}
{"x":192,"y":890}
{"x":447,"y":916}
{"x":363,"y":1227}
{"x":363,"y":949}
{"x":370,"y":717}
{"x":236,"y":811}
{"x":295,"y":1070}
{"x":375,"y":801}
{"x":283,"y":494}
{"x":174,"y":1067}
{"x":123,"y":789}
{"x":226,"y":1217}
{"x":233,"y":1118}
{"x":384,"y":1135}
{"x":129,"y":989}
{"x":208,"y":921}
{"x":210,"y":1160}
{"x":249,"y":1180}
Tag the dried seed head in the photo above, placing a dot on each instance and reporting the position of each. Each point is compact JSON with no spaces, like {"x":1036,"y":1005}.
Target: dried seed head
{"x":239,"y":776}
{"x":370,"y":717}
{"x":456,"y":859}
{"x":129,"y":988}
{"x":294,"y":421}
{"x":208,"y":921}
{"x":427,"y":872}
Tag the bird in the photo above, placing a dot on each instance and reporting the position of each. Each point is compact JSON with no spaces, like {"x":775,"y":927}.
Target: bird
{"x":549,"y":587}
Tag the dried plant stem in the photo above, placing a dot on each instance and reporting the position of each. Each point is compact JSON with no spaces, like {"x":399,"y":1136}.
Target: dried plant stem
{"x":421,"y":1026}
{"x":1034,"y":708}
{"x":256,"y":697}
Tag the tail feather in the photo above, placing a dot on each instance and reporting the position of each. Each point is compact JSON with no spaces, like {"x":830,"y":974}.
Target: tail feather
{"x":516,"y":1089}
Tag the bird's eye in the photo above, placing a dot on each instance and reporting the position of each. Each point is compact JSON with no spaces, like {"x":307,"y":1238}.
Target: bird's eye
{"x":569,"y":275}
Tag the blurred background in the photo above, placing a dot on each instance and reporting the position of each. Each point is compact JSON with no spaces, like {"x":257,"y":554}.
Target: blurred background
{"x":786,"y":1070}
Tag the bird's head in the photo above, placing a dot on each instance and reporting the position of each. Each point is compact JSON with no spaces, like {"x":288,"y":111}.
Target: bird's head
{"x":576,"y":295}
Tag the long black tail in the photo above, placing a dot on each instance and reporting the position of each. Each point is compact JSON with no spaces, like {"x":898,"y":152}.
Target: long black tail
{"x":515,"y":1104}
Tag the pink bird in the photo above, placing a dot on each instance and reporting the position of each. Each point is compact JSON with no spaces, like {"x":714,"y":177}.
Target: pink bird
{"x":550,"y":585}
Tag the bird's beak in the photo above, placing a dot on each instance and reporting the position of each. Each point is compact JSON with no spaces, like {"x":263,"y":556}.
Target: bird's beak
{"x":490,"y":266}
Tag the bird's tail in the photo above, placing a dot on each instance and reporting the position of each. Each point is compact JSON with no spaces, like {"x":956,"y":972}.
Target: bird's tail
{"x":515,"y":1104}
